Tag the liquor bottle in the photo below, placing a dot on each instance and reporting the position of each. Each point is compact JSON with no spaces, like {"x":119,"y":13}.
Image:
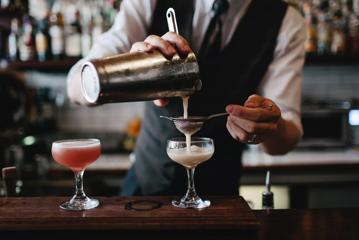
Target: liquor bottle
{"x":356,"y":7}
{"x":2,"y":54}
{"x":339,"y":41}
{"x":56,"y":32}
{"x":20,"y":6}
{"x":41,"y":42}
{"x":86,"y":41}
{"x":97,"y":25}
{"x":13,"y":40}
{"x":26,"y":41}
{"x":4,"y":3}
{"x":353,"y":34}
{"x":109,"y":12}
{"x":310,"y":20}
{"x":324,"y":34}
{"x":73,"y":37}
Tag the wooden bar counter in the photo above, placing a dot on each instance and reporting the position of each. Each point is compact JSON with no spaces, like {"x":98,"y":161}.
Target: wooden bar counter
{"x":135,"y":218}
{"x":127,"y":218}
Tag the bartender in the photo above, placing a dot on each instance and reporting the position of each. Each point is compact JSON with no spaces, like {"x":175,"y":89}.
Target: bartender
{"x":251,"y":55}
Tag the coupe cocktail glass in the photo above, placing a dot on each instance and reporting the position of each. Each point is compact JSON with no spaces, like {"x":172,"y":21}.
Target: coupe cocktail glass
{"x":200,"y":150}
{"x":77,"y":154}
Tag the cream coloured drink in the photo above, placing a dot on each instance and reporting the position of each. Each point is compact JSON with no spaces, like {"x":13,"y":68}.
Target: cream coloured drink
{"x":192,"y":157}
{"x":76,"y":155}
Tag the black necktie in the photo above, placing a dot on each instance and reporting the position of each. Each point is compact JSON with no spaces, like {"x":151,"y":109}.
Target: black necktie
{"x":211,"y":44}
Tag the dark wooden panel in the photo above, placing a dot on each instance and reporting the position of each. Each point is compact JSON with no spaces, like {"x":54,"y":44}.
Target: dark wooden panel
{"x":309,"y":224}
{"x":43,"y":214}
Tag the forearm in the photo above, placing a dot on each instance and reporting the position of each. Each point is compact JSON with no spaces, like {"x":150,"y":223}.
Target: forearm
{"x":283,"y":140}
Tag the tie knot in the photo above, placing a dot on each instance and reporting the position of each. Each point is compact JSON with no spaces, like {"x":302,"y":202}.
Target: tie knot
{"x":220,"y":7}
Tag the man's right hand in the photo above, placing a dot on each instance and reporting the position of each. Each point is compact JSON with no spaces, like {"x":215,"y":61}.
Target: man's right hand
{"x":169,"y":44}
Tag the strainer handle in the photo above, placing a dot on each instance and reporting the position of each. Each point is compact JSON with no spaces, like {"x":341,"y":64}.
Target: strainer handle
{"x":217,"y":115}
{"x":171,"y":20}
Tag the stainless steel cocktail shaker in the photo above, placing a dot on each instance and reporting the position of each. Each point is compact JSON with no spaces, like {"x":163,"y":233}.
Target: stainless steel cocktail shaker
{"x":139,"y":76}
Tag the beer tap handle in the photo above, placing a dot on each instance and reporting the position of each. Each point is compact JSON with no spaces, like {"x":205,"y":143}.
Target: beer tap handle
{"x":171,"y":20}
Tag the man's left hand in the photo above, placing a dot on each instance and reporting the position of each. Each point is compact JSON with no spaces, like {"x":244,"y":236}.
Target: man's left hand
{"x":254,"y":122}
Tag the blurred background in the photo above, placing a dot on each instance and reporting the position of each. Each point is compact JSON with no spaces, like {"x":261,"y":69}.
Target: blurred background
{"x":40,"y":40}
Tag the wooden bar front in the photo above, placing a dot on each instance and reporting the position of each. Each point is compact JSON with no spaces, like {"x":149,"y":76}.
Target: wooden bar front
{"x":227,"y":218}
{"x":40,"y":218}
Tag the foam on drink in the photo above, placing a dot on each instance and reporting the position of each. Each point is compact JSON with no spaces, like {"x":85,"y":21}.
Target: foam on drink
{"x":76,"y":155}
{"x":191,"y":158}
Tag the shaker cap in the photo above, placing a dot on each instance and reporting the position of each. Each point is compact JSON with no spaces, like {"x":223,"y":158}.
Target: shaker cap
{"x":90,"y":82}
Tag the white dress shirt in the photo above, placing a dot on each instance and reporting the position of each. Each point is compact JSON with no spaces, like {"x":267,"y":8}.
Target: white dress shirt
{"x":281,"y":83}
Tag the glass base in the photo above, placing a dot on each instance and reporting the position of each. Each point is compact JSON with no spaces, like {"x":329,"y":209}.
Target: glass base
{"x":196,"y":203}
{"x":80,"y":204}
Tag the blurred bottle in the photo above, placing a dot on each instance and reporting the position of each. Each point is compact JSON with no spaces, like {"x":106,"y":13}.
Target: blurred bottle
{"x":20,"y":6}
{"x":356,"y":7}
{"x":4,"y":3}
{"x":13,"y":40}
{"x":86,"y":41}
{"x":324,"y":34}
{"x":131,"y":133}
{"x":39,"y":9}
{"x":41,"y":42}
{"x":86,"y":22}
{"x":3,"y":62}
{"x":109,"y":9}
{"x":26,"y":41}
{"x":73,"y":37}
{"x":56,"y":33}
{"x":97,"y":25}
{"x":353,"y":33}
{"x":310,"y":20}
{"x":336,"y":28}
{"x":42,"y":118}
{"x":339,"y":40}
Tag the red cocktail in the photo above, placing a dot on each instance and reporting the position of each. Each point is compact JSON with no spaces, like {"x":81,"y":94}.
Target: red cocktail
{"x":77,"y":155}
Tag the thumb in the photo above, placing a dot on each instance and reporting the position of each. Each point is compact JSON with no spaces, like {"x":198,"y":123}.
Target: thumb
{"x":254,"y":101}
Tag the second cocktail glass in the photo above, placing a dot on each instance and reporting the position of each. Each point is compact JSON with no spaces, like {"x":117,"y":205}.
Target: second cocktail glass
{"x":189,"y":156}
{"x":77,"y":155}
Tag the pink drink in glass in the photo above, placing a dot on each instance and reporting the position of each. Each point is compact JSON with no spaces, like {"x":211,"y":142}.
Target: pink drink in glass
{"x":76,"y":155}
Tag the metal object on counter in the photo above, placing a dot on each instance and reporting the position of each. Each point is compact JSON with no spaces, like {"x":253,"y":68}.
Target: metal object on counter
{"x":267,"y":195}
{"x":139,"y":76}
{"x":192,"y":124}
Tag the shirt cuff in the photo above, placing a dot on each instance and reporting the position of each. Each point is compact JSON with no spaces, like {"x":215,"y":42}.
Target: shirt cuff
{"x":295,"y":118}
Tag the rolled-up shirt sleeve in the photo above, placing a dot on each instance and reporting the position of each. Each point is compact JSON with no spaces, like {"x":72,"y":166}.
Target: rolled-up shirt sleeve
{"x":282,"y":82}
{"x":131,"y":25}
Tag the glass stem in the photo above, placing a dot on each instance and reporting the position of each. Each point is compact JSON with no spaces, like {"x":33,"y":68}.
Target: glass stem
{"x":79,"y":194}
{"x":191,"y":191}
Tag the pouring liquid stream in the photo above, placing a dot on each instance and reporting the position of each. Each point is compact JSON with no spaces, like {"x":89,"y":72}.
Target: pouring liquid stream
{"x":185,"y":116}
